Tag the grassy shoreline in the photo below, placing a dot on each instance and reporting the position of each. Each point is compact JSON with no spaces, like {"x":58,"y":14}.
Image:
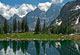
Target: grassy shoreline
{"x":31,"y":36}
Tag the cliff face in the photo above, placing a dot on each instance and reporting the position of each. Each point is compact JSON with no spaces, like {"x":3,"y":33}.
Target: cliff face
{"x":1,"y":20}
{"x":49,"y":16}
{"x":69,"y":15}
{"x":70,"y":12}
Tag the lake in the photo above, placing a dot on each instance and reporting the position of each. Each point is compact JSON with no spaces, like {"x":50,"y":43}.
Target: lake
{"x":66,"y":47}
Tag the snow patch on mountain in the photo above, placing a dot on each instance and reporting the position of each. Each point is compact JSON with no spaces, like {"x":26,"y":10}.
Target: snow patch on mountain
{"x":58,"y":22}
{"x":76,"y":8}
{"x":77,"y":21}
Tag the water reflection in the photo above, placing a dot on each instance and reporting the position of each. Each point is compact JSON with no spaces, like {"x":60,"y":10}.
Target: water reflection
{"x":40,"y":47}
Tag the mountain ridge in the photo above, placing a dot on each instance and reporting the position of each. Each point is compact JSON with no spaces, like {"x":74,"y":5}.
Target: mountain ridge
{"x":50,"y":15}
{"x":69,"y":15}
{"x":32,"y":16}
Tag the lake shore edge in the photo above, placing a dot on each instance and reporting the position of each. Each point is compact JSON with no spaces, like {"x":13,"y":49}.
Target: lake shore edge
{"x":32,"y":39}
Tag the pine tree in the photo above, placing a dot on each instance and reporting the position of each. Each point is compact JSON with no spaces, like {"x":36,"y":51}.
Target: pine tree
{"x":10,"y":29}
{"x":19,"y":26}
{"x":62,"y":29}
{"x":69,"y":30}
{"x":14,"y":25}
{"x":6,"y":26}
{"x":1,"y":30}
{"x":23,"y":25}
{"x":37,"y":28}
{"x":26,"y":26}
{"x":44,"y":27}
{"x":54,"y":30}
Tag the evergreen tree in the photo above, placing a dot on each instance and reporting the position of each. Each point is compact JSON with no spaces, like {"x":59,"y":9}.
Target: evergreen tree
{"x":1,"y":30}
{"x":10,"y":29}
{"x":14,"y":25}
{"x":44,"y":27}
{"x":19,"y":26}
{"x":55,"y":30}
{"x":6,"y":26}
{"x":64,"y":29}
{"x":69,"y":30}
{"x":26,"y":26}
{"x":52,"y":30}
{"x":23,"y":25}
{"x":37,"y":28}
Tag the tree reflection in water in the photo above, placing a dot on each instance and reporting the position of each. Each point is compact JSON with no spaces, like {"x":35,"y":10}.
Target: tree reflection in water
{"x":67,"y":47}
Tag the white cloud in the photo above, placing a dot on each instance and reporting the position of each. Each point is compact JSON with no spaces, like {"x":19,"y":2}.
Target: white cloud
{"x":56,"y":1}
{"x":44,"y":6}
{"x":24,"y":9}
{"x":8,"y":11}
{"x":3,"y":9}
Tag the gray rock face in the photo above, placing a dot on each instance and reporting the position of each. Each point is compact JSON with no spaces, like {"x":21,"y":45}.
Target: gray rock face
{"x":14,"y":17}
{"x":69,"y":12}
{"x":32,"y":16}
{"x":1,"y":20}
{"x":49,"y":16}
{"x":69,"y":15}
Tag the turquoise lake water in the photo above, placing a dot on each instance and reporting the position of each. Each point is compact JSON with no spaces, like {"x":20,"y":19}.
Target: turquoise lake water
{"x":67,"y":47}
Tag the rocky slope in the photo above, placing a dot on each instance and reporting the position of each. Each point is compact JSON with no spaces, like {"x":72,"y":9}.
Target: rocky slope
{"x":1,"y":20}
{"x":50,"y":15}
{"x":69,"y":15}
{"x":14,"y":17}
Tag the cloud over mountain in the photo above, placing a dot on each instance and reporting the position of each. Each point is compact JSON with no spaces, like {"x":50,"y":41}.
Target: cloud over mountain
{"x":25,"y":8}
{"x":44,"y":6}
{"x":7,"y":11}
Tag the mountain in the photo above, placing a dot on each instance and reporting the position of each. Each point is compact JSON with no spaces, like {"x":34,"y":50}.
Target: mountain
{"x":50,"y":15}
{"x":33,"y":16}
{"x":69,"y":12}
{"x":12,"y":18}
{"x":69,"y":15}
{"x":1,"y":20}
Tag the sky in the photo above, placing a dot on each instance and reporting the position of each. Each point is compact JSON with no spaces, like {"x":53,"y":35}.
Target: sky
{"x":21,"y":7}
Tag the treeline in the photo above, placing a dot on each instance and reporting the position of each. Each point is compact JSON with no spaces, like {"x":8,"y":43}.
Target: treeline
{"x":38,"y":28}
{"x":62,"y":29}
{"x":16,"y":27}
{"x":22,"y":26}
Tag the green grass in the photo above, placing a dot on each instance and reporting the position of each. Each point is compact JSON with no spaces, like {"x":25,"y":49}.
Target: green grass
{"x":31,"y":35}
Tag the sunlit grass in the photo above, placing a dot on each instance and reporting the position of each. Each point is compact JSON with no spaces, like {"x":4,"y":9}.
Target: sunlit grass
{"x":31,"y":35}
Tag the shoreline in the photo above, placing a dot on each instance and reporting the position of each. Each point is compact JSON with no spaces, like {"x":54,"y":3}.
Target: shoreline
{"x":31,"y":36}
{"x":32,"y":39}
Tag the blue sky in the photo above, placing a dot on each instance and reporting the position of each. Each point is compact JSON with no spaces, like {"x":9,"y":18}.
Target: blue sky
{"x":33,"y":2}
{"x":19,"y":2}
{"x":22,"y":7}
